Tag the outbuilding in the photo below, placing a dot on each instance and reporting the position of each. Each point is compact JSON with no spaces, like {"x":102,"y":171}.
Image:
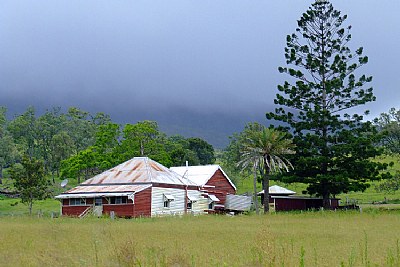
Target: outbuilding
{"x":283,"y":199}
{"x":288,"y":203}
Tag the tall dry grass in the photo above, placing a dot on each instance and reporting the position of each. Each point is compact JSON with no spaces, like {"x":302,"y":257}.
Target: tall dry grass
{"x":286,"y":239}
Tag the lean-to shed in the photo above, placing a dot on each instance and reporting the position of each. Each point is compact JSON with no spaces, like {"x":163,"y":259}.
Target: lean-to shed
{"x":211,"y":178}
{"x":137,"y":187}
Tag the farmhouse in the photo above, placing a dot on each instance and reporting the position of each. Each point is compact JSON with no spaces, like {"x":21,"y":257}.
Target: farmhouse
{"x":137,"y":187}
{"x":211,"y":178}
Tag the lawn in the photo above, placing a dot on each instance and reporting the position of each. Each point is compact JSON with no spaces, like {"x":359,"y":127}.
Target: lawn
{"x":283,"y":239}
{"x":14,"y":207}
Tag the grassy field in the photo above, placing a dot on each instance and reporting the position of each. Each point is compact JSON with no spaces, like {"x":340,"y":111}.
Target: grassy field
{"x":352,"y":238}
{"x":14,"y":207}
{"x":285,"y":239}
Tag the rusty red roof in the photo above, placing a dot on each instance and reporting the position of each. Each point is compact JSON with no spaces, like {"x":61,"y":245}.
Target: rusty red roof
{"x":133,"y":175}
{"x":138,"y":170}
{"x":100,"y":190}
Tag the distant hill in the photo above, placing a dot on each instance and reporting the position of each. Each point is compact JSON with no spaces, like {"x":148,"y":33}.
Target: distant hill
{"x":214,"y":128}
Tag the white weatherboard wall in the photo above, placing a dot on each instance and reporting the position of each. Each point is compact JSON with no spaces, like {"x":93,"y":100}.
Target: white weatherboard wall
{"x":177,"y":206}
{"x":201,"y":203}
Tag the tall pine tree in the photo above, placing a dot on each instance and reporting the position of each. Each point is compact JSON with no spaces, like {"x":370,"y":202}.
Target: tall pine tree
{"x":333,"y":147}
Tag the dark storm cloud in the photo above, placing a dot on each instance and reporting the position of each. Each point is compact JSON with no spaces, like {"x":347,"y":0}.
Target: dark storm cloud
{"x":160,"y":60}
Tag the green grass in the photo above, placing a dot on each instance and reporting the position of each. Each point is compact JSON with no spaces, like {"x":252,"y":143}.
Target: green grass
{"x":352,"y":238}
{"x":285,"y":239}
{"x":14,"y":207}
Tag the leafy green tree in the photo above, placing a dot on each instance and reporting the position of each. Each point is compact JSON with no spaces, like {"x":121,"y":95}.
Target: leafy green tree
{"x":61,"y":149}
{"x":231,"y":156}
{"x":95,"y":158}
{"x":46,"y":127}
{"x":265,"y":150}
{"x":204,"y":151}
{"x":141,"y":136}
{"x":8,"y":149}
{"x":177,"y":147}
{"x":23,"y":130}
{"x":30,"y":181}
{"x":389,"y":124}
{"x":390,"y":185}
{"x":144,"y":139}
{"x":333,"y":147}
{"x":80,"y":128}
{"x":8,"y":153}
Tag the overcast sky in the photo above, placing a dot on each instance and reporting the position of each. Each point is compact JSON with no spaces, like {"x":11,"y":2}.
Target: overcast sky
{"x":157,"y":60}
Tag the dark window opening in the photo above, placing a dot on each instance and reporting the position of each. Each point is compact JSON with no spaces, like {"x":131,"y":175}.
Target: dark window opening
{"x":98,"y":201}
{"x":118,"y":200}
{"x":77,"y":201}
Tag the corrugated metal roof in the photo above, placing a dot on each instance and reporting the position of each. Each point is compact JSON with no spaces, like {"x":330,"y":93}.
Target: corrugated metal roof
{"x":213,"y":198}
{"x":276,"y":189}
{"x":168,"y":197}
{"x":131,"y":176}
{"x":106,"y":190}
{"x":97,"y":194}
{"x":138,"y":170}
{"x":239,"y":203}
{"x":200,"y":174}
{"x":192,"y":196}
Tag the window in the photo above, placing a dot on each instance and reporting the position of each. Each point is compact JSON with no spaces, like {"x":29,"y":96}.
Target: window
{"x":189,"y":205}
{"x":98,"y":201}
{"x":77,"y":201}
{"x":118,"y":200}
{"x":167,"y":203}
{"x":167,"y":200}
{"x":211,"y":201}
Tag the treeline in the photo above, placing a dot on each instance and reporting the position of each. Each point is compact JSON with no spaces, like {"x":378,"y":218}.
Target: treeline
{"x":78,"y":144}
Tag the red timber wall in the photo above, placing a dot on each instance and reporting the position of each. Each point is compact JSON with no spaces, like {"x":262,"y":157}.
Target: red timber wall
{"x":222,"y":186}
{"x":75,"y":210}
{"x":143,"y":203}
{"x":287,"y":204}
{"x":142,"y":206}
{"x":121,"y":210}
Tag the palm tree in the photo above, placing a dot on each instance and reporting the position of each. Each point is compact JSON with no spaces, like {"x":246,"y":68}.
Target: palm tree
{"x":265,"y":149}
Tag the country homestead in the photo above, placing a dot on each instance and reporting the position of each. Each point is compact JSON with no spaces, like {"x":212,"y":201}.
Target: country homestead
{"x":143,"y":187}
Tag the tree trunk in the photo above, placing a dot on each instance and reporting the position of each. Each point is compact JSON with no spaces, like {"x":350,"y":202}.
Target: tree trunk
{"x":266,"y":188}
{"x":30,"y":203}
{"x":1,"y":174}
{"x":141,"y":148}
{"x":255,"y":189}
{"x":325,"y":197}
